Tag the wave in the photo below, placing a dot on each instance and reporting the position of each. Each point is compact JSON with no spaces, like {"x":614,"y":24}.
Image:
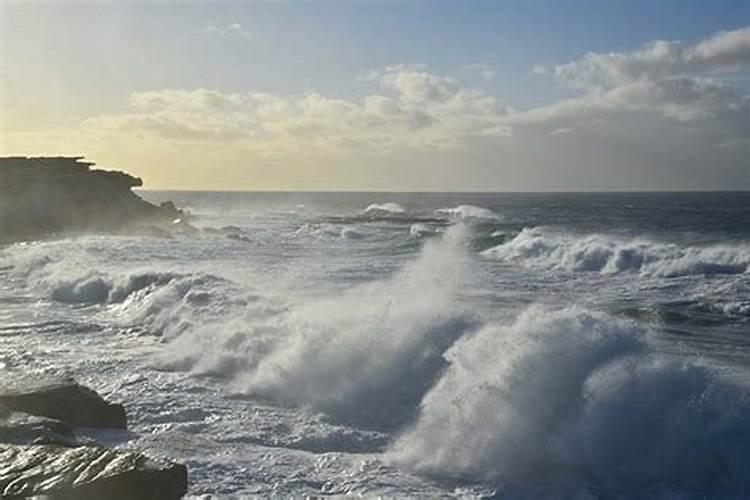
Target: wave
{"x":387,"y":208}
{"x":329,"y":231}
{"x":421,"y":230}
{"x":578,"y":399}
{"x":366,"y":356}
{"x":155,"y":302}
{"x":468,"y":212}
{"x":610,"y":255}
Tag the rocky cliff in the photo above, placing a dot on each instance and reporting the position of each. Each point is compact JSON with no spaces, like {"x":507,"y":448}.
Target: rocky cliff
{"x":53,"y":196}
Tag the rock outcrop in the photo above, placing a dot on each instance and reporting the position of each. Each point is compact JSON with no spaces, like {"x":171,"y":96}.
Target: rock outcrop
{"x":52,"y":196}
{"x":63,"y":400}
{"x":87,"y":473}
{"x":40,"y":454}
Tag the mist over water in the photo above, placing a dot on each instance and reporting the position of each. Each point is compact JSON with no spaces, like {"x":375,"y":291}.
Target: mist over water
{"x":400,"y":345}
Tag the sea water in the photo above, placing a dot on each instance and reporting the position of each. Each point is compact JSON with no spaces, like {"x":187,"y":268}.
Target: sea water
{"x":454,"y":345}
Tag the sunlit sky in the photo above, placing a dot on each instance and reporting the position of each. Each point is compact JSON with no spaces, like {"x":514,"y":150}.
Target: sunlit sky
{"x":407,"y":95}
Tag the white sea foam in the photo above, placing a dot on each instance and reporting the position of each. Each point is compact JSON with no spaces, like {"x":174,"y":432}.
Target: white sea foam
{"x":468,"y":212}
{"x":607,"y":254}
{"x":390,"y":207}
{"x":420,"y":230}
{"x":577,"y":396}
{"x":367,"y":355}
{"x":329,"y":231}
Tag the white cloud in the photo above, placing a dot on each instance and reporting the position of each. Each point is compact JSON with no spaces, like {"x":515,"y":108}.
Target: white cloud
{"x":233,"y":29}
{"x":681,"y":83}
{"x":416,"y":109}
{"x":669,"y":114}
{"x":725,"y":51}
{"x":562,"y":131}
{"x":483,"y":70}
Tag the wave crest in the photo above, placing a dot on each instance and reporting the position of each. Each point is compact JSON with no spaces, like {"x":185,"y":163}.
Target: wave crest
{"x":366,"y":356}
{"x":468,"y":212}
{"x":579,"y":397}
{"x":609,"y":255}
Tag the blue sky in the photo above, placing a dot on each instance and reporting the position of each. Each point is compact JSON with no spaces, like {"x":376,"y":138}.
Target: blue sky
{"x":68,"y":63}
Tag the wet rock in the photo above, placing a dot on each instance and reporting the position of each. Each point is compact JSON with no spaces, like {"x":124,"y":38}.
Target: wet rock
{"x":87,"y":473}
{"x":21,"y":428}
{"x":63,"y":400}
{"x":40,"y":454}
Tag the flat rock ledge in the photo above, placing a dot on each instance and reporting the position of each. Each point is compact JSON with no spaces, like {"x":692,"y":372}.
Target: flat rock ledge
{"x":41,"y":456}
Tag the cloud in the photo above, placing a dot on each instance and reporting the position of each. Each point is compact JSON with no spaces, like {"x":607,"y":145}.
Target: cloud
{"x":665,"y":115}
{"x":415,"y":109}
{"x":562,"y":131}
{"x":482,"y":70}
{"x":725,"y":51}
{"x":233,"y":29}
{"x":681,"y":83}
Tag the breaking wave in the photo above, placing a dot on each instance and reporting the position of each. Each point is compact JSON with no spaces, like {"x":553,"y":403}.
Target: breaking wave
{"x":154,"y":302}
{"x":385,"y":208}
{"x":365,"y":356}
{"x":468,"y":212}
{"x":575,"y":399}
{"x":609,"y":255}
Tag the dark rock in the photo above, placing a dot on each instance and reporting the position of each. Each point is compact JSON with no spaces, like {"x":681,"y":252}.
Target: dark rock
{"x":85,"y":472}
{"x":63,"y":400}
{"x":21,"y":428}
{"x":47,"y":197}
{"x":40,"y":454}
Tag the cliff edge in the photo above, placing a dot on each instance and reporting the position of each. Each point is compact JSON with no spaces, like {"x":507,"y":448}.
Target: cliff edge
{"x":45,"y":197}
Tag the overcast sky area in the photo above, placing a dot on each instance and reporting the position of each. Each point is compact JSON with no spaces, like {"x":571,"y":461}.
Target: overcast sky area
{"x":503,"y":95}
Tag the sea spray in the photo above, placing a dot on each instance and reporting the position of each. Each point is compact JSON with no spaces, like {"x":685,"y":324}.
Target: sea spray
{"x":579,"y":397}
{"x":365,"y":356}
{"x":538,"y":247}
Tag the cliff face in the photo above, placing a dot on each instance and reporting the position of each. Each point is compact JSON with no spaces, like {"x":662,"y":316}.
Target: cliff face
{"x":50,"y":196}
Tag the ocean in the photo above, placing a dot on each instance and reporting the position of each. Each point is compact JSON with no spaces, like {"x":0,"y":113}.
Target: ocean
{"x":412,"y":345}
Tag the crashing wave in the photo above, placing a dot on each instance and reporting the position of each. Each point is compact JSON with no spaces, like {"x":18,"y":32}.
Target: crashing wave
{"x":365,"y":356}
{"x":385,"y":208}
{"x":468,"y":212}
{"x":609,"y":255}
{"x":329,"y":231}
{"x":576,"y":397}
{"x":421,"y":230}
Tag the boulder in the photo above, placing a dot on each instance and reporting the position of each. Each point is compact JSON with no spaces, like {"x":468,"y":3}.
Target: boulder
{"x":87,"y":473}
{"x":21,"y":428}
{"x":63,"y":400}
{"x":40,"y":454}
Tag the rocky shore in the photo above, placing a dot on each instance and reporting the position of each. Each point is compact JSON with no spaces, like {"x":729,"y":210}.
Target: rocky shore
{"x":41,"y":455}
{"x":48,"y":197}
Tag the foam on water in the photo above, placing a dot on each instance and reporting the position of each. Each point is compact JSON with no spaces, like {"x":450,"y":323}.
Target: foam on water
{"x":468,"y":212}
{"x":578,"y":399}
{"x":365,"y":356}
{"x":390,"y":207}
{"x":356,"y":331}
{"x":609,"y":255}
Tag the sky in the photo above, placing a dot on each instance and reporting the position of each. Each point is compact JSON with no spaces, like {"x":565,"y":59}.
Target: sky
{"x":384,"y":95}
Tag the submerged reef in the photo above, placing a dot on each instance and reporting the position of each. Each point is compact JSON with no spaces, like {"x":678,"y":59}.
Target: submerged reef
{"x":47,"y":197}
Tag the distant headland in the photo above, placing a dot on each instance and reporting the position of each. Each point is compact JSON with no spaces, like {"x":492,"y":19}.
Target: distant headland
{"x":48,"y":197}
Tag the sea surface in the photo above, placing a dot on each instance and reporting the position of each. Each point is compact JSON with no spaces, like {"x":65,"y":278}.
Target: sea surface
{"x":412,"y":345}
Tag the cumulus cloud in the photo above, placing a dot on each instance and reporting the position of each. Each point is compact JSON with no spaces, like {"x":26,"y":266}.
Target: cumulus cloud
{"x":725,"y":51}
{"x":669,"y":113}
{"x":415,"y":108}
{"x":682,"y":82}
